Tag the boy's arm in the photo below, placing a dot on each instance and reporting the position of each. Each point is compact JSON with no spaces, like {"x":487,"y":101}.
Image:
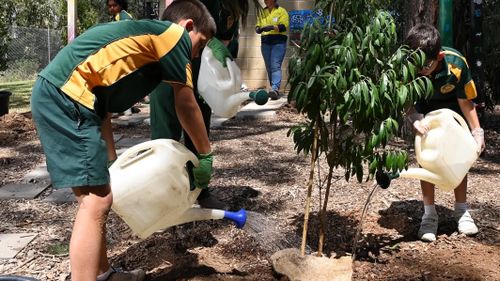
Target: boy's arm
{"x":107,"y":136}
{"x":415,"y":118}
{"x":470,"y":113}
{"x":190,"y":117}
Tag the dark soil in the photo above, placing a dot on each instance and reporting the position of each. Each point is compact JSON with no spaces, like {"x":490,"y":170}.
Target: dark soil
{"x":256,"y":168}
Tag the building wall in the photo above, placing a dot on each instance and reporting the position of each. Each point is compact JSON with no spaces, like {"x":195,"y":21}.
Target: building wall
{"x":250,"y":59}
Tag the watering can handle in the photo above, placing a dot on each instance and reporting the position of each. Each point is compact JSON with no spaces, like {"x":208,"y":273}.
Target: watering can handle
{"x":456,"y":116}
{"x":460,"y":120}
{"x":132,"y":155}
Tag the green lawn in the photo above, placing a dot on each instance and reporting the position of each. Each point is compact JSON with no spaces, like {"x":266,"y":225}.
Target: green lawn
{"x":21,"y":92}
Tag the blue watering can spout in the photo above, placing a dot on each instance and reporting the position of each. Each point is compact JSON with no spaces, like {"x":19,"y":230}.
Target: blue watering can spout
{"x":239,"y":218}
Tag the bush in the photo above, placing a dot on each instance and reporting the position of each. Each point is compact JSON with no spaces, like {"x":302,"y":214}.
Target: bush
{"x":20,"y":70}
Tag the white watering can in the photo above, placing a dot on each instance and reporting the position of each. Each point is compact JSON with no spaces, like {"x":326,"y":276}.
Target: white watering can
{"x":446,"y":152}
{"x":151,"y":188}
{"x":220,"y":86}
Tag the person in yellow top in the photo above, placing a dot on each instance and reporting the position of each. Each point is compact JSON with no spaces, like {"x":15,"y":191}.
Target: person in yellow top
{"x":272,"y":24}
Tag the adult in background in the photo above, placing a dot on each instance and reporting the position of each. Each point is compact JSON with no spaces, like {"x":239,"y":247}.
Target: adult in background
{"x":272,"y":24}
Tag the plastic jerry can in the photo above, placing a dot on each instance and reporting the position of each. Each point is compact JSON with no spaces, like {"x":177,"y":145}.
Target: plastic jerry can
{"x":446,"y":152}
{"x":151,"y":188}
{"x":220,"y":85}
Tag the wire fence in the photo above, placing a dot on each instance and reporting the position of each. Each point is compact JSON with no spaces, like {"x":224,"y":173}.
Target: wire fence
{"x":30,"y":50}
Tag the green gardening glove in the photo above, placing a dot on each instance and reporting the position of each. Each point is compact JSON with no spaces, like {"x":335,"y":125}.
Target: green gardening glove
{"x":203,"y":173}
{"x":219,"y":51}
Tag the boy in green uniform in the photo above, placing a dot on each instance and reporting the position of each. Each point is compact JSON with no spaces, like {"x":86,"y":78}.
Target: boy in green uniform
{"x":118,"y":10}
{"x":108,"y":69}
{"x":453,"y":89}
{"x":164,"y":123}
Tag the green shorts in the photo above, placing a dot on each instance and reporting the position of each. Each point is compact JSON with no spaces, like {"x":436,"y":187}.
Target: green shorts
{"x":70,"y":134}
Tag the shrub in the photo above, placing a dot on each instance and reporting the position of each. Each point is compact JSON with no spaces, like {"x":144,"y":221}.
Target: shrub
{"x":19,"y":70}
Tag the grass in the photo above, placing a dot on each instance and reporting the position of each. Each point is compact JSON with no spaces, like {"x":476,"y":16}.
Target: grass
{"x":21,"y":93}
{"x":59,"y":249}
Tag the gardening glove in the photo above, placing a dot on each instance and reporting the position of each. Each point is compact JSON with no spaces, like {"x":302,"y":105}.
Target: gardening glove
{"x":203,"y":173}
{"x":267,"y":28}
{"x":220,"y":51}
{"x":478,"y":134}
{"x":110,"y":162}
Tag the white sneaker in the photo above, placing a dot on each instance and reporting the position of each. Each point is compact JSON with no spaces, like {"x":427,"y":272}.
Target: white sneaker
{"x":465,"y":223}
{"x":428,"y":228}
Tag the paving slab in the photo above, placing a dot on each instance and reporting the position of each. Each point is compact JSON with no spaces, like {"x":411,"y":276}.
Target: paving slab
{"x":60,"y":196}
{"x":39,"y":174}
{"x":261,"y":112}
{"x":134,"y":119}
{"x":22,"y":190}
{"x":217,"y":122}
{"x":129,"y":142}
{"x":12,"y":243}
{"x":117,"y":137}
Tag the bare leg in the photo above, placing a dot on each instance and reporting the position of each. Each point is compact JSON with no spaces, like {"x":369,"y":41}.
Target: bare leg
{"x":429,"y":225}
{"x":461,"y":191}
{"x":428,"y":192}
{"x":88,"y":240}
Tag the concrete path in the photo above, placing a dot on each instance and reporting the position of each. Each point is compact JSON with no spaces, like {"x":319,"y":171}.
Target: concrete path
{"x":38,"y":180}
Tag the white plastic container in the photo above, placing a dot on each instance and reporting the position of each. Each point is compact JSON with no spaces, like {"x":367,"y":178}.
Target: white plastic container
{"x":446,"y":152}
{"x":220,"y":86}
{"x":150,"y":187}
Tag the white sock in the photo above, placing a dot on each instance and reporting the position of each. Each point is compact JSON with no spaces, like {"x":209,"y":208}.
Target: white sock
{"x":105,"y":275}
{"x":460,"y":207}
{"x":430,"y":210}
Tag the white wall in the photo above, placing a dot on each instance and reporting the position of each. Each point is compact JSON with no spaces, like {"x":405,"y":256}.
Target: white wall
{"x":250,"y":58}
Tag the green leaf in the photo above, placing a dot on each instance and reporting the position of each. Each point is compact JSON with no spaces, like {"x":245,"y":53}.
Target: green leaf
{"x":383,"y":83}
{"x":405,"y":73}
{"x":364,"y":91}
{"x":402,"y":96}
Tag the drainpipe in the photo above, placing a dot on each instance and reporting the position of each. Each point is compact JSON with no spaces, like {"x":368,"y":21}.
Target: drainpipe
{"x":446,"y":22}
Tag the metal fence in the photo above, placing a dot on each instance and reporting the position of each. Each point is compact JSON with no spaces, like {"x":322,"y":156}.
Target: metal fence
{"x":37,"y":46}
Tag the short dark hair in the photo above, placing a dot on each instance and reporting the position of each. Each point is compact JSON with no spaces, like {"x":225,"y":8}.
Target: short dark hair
{"x":122,"y":3}
{"x":426,"y":38}
{"x":191,"y":9}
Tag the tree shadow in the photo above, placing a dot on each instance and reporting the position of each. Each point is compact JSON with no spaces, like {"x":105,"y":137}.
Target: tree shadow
{"x":262,"y":169}
{"x":169,"y":251}
{"x":405,"y":218}
{"x":340,"y":235}
{"x":237,"y":128}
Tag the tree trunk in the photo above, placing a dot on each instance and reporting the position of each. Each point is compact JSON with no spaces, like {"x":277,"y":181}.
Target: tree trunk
{"x":421,"y":11}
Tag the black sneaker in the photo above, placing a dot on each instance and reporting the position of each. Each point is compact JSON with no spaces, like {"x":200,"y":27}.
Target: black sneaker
{"x":274,"y":95}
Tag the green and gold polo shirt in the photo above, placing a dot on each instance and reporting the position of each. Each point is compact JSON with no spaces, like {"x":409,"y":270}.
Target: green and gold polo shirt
{"x":453,"y":81}
{"x":112,"y":66}
{"x":122,"y":15}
